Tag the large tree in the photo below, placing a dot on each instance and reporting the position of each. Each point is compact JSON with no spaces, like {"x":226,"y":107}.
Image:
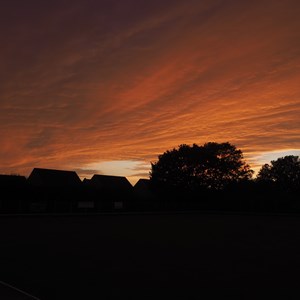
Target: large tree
{"x":211,"y":166}
{"x":283,"y":172}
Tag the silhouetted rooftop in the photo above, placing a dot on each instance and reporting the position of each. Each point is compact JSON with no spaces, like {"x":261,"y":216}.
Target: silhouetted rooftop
{"x":12,"y":180}
{"x":142,"y":183}
{"x":109,"y":182}
{"x":142,"y":188}
{"x":54,"y":178}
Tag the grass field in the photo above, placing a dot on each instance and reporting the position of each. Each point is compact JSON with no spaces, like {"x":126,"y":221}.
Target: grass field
{"x":153,"y":256}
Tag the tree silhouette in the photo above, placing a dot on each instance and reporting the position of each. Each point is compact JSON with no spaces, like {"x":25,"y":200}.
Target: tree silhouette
{"x":283,"y":172}
{"x":211,"y":166}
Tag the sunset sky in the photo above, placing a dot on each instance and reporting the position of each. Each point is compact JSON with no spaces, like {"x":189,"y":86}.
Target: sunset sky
{"x":105,"y":86}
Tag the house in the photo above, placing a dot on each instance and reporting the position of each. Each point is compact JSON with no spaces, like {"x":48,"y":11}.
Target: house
{"x":142,"y":188}
{"x":53,"y":178}
{"x":109,"y":182}
{"x":144,"y":194}
{"x":54,"y":190}
{"x":13,"y":191}
{"x":12,"y":181}
{"x":114,"y":190}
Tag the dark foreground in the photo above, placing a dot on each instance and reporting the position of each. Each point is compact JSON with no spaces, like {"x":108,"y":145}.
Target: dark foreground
{"x":152,"y":256}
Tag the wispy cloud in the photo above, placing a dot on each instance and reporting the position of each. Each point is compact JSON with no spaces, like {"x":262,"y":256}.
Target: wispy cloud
{"x":89,"y":82}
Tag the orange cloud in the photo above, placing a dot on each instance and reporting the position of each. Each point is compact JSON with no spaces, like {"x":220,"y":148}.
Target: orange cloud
{"x":105,"y":81}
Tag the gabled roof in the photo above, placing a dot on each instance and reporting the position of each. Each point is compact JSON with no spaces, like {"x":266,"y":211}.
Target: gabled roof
{"x":143,"y":188}
{"x":12,"y":180}
{"x":142,"y":184}
{"x":108,"y":182}
{"x":53,"y":178}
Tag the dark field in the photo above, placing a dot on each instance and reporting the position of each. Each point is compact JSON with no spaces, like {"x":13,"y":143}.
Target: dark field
{"x":153,"y":256}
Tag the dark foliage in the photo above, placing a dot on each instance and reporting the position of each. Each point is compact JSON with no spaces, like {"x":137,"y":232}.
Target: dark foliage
{"x":283,"y":174}
{"x":210,"y":167}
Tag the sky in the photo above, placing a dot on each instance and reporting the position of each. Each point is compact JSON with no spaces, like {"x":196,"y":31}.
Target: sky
{"x":105,"y":86}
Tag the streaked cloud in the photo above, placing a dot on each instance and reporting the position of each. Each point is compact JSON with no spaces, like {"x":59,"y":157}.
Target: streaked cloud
{"x":96,"y":83}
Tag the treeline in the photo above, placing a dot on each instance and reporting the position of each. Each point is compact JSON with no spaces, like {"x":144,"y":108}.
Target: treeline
{"x":216,"y":176}
{"x":245,"y":196}
{"x":209,"y":177}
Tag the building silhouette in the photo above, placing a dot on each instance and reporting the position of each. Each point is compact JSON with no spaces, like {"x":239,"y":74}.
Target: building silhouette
{"x":13,"y":191}
{"x":114,"y":192}
{"x":53,"y":178}
{"x":54,"y":190}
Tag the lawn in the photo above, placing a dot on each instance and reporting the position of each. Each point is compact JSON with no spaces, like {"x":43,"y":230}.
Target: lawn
{"x":153,"y":256}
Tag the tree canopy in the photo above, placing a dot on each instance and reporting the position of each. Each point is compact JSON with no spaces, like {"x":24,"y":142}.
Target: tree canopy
{"x":283,"y":172}
{"x":211,"y":166}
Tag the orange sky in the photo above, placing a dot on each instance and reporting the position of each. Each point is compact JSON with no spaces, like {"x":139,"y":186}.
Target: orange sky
{"x":105,"y":86}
